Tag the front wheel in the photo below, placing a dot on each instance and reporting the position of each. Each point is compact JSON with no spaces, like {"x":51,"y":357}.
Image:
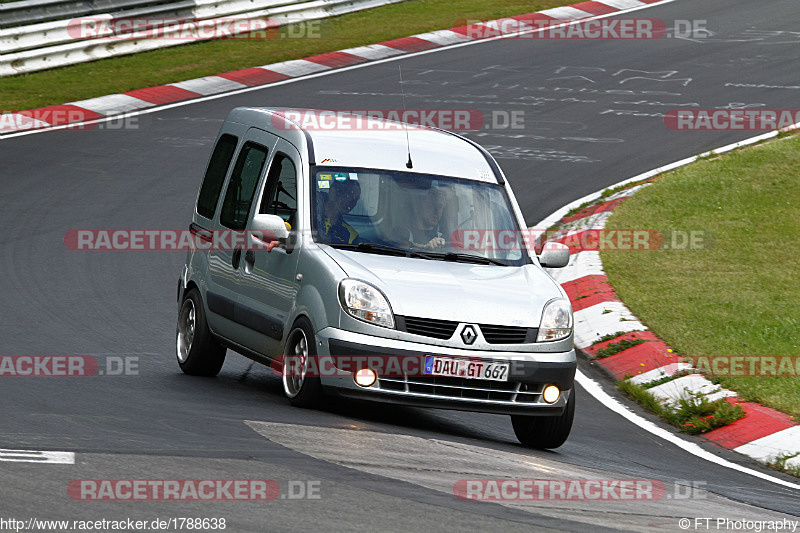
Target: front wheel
{"x":199,"y":354}
{"x":545,"y":431}
{"x":301,"y":386}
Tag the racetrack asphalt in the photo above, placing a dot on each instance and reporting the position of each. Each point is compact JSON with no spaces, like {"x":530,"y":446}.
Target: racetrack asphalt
{"x":592,"y":116}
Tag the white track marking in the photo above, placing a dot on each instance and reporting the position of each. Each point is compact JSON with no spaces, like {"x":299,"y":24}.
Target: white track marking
{"x":593,"y":388}
{"x":32,"y":456}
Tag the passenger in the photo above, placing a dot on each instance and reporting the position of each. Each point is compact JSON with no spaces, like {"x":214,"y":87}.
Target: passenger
{"x":342,"y":198}
{"x":424,"y":230}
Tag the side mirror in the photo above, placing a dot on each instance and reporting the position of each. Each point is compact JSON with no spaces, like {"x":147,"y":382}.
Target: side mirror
{"x":270,"y":229}
{"x":554,"y":255}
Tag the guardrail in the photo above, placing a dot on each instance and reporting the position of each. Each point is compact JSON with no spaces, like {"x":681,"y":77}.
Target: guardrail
{"x":27,"y":12}
{"x":143,"y":25}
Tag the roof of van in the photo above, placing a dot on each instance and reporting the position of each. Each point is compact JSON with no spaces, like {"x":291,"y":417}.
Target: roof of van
{"x":346,"y":139}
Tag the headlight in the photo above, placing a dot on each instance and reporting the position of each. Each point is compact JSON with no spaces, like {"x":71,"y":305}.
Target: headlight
{"x":556,"y":321}
{"x":365,"y":302}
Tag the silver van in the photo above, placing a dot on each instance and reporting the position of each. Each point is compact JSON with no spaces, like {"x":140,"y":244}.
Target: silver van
{"x":367,"y":258}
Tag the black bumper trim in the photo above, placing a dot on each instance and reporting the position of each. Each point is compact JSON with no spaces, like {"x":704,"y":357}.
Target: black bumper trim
{"x":526,"y":409}
{"x":531,"y":372}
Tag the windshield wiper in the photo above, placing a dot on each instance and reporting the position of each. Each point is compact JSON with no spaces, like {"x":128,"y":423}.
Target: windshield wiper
{"x":469,"y":258}
{"x":393,"y":250}
{"x":380,"y":248}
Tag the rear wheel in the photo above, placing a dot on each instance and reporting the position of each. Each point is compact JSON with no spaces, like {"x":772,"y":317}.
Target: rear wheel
{"x":299,"y":361}
{"x":198,"y":353}
{"x":545,"y":431}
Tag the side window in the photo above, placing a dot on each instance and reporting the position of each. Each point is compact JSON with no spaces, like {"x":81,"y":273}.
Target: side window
{"x":215,"y":175}
{"x":280,"y":195}
{"x":242,"y":186}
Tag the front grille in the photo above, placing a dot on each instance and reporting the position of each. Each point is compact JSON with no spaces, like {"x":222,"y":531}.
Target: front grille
{"x":445,"y":387}
{"x":444,"y":329}
{"x":429,"y":327}
{"x":505,"y":334}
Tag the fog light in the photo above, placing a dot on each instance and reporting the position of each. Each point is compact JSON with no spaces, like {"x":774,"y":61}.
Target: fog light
{"x":366,"y":377}
{"x":550,"y":394}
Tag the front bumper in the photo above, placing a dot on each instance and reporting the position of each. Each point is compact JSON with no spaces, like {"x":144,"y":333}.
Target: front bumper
{"x":521,"y":394}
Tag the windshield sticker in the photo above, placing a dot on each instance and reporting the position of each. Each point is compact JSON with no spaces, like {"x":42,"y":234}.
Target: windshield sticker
{"x":324,"y":184}
{"x":340,"y":176}
{"x":353,"y":176}
{"x":326,"y":177}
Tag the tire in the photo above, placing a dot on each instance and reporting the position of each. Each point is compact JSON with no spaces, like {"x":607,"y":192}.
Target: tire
{"x":301,"y":389}
{"x":544,"y":432}
{"x":198,"y":353}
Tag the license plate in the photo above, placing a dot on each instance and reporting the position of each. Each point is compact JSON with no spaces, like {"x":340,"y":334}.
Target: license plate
{"x":465,"y":368}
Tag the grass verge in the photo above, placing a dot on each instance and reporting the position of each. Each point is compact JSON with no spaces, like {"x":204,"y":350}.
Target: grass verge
{"x":169,"y":65}
{"x":734,"y":292}
{"x":693,"y":413}
{"x":616,"y":347}
{"x":779,"y":463}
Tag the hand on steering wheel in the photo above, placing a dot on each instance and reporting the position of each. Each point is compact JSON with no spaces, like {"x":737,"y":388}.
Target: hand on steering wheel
{"x":434,"y":244}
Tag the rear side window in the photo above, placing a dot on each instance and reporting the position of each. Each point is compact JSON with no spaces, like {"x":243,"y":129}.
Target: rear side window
{"x":215,"y":175}
{"x":242,"y":187}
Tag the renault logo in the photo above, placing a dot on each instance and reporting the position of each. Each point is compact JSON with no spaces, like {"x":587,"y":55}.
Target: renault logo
{"x":468,"y":334}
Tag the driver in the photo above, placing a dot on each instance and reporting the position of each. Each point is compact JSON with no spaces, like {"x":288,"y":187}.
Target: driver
{"x":342,"y":198}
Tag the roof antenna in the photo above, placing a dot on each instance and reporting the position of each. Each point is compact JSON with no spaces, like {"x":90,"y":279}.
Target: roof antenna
{"x":409,"y":164}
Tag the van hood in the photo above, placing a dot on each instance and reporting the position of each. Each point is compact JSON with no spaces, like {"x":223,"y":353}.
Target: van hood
{"x":462,"y":292}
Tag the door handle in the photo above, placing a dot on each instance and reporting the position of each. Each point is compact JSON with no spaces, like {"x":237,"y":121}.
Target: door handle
{"x":237,"y":257}
{"x":250,"y":257}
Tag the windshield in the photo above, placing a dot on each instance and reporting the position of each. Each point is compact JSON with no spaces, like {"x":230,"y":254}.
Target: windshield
{"x":419,"y":215}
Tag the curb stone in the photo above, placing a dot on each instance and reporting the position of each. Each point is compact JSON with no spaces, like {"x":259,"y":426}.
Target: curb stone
{"x":762,"y":434}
